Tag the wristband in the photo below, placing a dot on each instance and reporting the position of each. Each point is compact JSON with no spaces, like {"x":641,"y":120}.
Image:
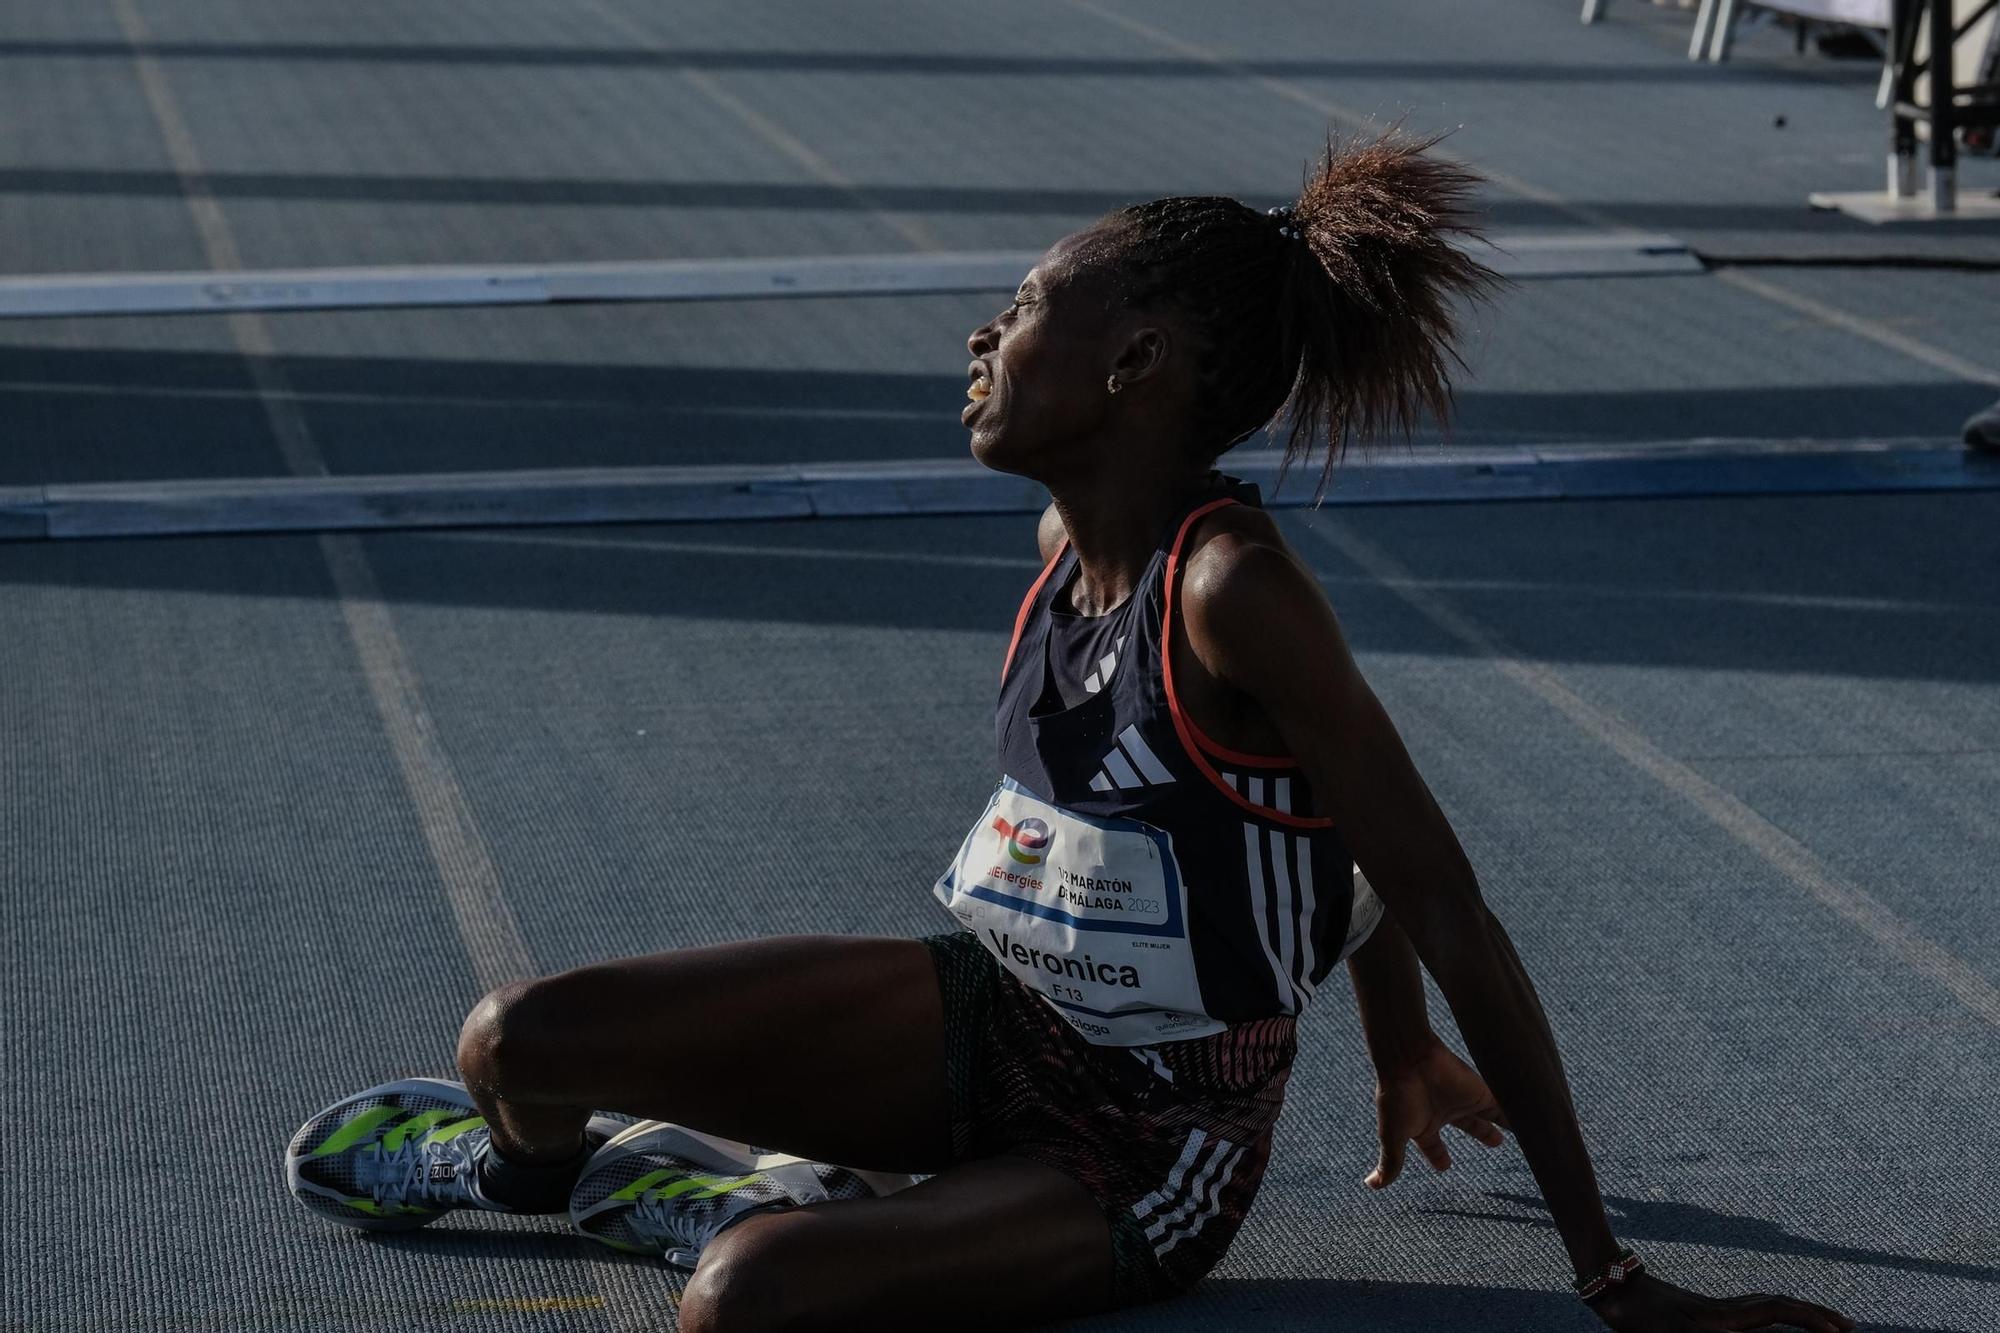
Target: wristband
{"x":1620,"y":1269}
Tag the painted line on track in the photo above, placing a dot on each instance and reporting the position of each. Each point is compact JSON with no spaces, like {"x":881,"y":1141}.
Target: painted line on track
{"x":471,"y":882}
{"x":486,"y":925}
{"x":913,"y":230}
{"x":1525,"y":257}
{"x":1780,"y":850}
{"x":710,"y":494}
{"x":1859,"y":325}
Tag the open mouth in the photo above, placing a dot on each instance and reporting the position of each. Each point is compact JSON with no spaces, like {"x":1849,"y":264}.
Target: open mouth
{"x":979,"y":390}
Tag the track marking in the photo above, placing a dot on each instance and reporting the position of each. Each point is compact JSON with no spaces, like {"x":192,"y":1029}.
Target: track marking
{"x":711,"y":493}
{"x":1875,"y":330}
{"x":90,"y":389}
{"x":916,"y":232}
{"x":1613,"y":592}
{"x":486,"y":924}
{"x":1777,"y":848}
{"x":65,"y":295}
{"x":1861,"y":327}
{"x":927,"y":559}
{"x":528,"y":1305}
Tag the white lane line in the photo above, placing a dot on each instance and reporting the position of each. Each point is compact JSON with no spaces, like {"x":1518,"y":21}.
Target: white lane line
{"x":487,"y":928}
{"x":486,"y":923}
{"x":913,"y":230}
{"x":1874,"y":330}
{"x":1861,"y":327}
{"x":427,"y":286}
{"x":750,"y":550}
{"x":462,"y":402}
{"x":471,"y":882}
{"x":721,"y":493}
{"x":1779,"y":849}
{"x":66,"y":295}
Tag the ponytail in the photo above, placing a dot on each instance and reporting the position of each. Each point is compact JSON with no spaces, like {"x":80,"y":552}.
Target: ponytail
{"x":1372,"y":315}
{"x":1336,"y":314}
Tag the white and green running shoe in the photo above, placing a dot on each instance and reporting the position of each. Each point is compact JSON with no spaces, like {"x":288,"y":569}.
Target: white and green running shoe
{"x":661,"y":1190}
{"x":397,"y":1156}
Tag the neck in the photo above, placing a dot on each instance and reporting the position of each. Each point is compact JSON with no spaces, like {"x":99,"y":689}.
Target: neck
{"x":1114,"y":523}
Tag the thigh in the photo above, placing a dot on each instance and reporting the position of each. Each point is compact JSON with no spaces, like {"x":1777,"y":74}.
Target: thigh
{"x":1000,"y":1242}
{"x":830,"y":1047}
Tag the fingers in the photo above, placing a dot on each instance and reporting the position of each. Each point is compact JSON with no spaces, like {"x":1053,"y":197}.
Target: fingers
{"x":1389,"y":1167}
{"x":1484,"y":1130}
{"x":1431,"y":1145}
{"x":1752,"y":1312}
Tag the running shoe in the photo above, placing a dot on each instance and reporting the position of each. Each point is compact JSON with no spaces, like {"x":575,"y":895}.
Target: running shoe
{"x":398,"y":1156}
{"x":661,"y":1190}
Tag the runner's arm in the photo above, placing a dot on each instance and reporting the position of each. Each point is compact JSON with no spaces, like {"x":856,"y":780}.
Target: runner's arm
{"x":1389,"y":995}
{"x":1259,"y":621}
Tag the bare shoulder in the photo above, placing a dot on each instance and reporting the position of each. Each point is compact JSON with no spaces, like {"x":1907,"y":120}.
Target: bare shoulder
{"x":1050,"y":534}
{"x":1238,"y":551}
{"x":1250,"y":602}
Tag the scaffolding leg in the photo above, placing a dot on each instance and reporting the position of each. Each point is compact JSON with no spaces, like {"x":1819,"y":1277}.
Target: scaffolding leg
{"x":1943,"y":109}
{"x":1903,"y":92}
{"x":1704,"y":24}
{"x":1725,"y":30}
{"x":1903,"y":168}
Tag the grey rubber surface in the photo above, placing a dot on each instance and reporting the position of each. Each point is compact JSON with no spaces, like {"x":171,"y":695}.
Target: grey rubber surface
{"x":228,"y":888}
{"x":397,"y":133}
{"x":274,"y":811}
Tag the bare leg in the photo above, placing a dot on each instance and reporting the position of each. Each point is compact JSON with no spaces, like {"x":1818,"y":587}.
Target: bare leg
{"x":996,"y":1243}
{"x":825,"y":1046}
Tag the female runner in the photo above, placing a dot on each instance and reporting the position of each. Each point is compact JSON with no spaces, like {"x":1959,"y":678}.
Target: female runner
{"x":1088,"y":1071}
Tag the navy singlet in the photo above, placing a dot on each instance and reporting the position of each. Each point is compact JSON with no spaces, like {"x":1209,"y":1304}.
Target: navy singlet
{"x":1148,"y":883}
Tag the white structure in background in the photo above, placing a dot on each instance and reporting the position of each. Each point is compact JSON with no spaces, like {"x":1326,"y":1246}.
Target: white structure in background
{"x":1715,"y":21}
{"x":1972,"y":75}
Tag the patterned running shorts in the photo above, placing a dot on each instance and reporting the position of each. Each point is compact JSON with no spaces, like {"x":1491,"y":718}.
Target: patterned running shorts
{"x":1171,"y":1140}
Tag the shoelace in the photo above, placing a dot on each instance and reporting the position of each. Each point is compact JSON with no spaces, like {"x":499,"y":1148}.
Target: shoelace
{"x":404,"y":1175}
{"x":682,"y":1232}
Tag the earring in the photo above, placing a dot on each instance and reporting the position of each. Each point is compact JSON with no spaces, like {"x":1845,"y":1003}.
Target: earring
{"x":1111,"y":384}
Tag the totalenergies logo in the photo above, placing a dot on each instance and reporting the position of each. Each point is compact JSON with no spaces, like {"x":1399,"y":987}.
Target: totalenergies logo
{"x":1027,"y":841}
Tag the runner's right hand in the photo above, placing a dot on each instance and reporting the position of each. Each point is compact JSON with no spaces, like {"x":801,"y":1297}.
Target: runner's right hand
{"x":1417,"y":1098}
{"x":1645,"y":1304}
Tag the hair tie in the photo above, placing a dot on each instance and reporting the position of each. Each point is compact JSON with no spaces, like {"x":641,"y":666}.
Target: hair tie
{"x":1285,"y":228}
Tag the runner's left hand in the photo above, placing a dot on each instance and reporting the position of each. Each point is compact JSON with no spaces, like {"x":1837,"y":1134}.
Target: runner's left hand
{"x":1645,"y":1304}
{"x":1418,"y":1097}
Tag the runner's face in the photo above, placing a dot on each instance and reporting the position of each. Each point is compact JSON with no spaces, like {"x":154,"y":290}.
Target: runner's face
{"x":1037,"y":380}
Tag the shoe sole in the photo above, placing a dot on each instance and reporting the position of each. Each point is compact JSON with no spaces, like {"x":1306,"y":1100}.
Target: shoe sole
{"x":710,"y":1152}
{"x":715,"y":1153}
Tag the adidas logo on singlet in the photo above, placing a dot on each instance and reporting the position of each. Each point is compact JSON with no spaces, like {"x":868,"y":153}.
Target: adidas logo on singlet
{"x":1101,"y":677}
{"x":1130,"y":765}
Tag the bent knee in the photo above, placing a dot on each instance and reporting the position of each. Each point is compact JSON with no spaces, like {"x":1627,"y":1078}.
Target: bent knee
{"x":741,"y":1282}
{"x":516,"y":1032}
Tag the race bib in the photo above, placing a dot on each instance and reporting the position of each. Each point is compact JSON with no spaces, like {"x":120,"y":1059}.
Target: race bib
{"x":1090,"y":914}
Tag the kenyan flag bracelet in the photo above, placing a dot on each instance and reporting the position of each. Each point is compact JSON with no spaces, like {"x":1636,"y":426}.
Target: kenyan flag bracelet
{"x":1618,"y":1270}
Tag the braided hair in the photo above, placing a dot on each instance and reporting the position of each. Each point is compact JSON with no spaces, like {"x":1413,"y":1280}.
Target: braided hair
{"x":1336,"y":311}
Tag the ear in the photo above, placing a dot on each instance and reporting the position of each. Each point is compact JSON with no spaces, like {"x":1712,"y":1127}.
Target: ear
{"x":1144,"y":355}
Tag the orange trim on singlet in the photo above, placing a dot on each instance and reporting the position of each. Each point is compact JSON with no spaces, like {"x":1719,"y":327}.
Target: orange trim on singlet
{"x":1192,"y":741}
{"x":1021,"y":619}
{"x":1237,"y":756}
